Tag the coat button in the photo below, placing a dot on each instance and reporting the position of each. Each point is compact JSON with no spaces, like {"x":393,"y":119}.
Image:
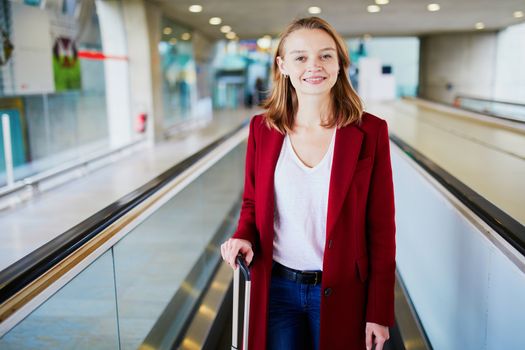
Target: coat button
{"x":327,"y":292}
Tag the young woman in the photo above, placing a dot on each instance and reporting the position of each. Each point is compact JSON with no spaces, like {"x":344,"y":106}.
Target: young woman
{"x":317,"y":218}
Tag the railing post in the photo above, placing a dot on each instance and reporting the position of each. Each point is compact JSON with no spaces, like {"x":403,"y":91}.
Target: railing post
{"x":8,"y":152}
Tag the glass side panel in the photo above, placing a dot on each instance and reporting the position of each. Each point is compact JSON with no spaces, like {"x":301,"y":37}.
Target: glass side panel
{"x":153,"y":260}
{"x":81,"y":315}
{"x":141,"y":274}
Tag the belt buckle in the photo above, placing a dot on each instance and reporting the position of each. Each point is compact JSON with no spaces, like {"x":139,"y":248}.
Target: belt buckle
{"x":309,"y":273}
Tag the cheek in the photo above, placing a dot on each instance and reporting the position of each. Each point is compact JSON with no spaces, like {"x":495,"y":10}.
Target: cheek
{"x":333,"y":68}
{"x":295,"y":74}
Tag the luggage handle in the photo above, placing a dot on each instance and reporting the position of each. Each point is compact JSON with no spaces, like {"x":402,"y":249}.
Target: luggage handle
{"x":241,"y":266}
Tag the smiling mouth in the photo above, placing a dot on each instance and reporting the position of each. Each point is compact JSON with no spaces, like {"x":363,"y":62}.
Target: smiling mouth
{"x":314,"y":80}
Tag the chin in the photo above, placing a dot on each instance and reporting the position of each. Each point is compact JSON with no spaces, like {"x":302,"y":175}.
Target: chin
{"x":317,"y":90}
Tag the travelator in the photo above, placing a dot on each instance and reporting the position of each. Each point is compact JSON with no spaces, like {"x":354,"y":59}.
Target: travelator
{"x":145,"y":272}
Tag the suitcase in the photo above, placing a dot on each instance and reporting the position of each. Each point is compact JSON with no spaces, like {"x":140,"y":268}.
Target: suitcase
{"x":241,"y":268}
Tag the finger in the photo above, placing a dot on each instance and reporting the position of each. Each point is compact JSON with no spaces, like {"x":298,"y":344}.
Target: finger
{"x":224,"y":252}
{"x":368,"y":339}
{"x":249,"y":257}
{"x":244,"y":250}
{"x":379,"y":343}
{"x":234,"y":249}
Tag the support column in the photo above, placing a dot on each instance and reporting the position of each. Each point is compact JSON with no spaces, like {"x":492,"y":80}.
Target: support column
{"x":113,"y":35}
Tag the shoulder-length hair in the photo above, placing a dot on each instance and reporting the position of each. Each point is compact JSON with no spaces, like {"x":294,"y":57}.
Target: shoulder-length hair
{"x":281,"y":105}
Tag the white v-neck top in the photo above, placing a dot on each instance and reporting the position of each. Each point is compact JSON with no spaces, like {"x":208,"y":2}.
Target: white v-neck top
{"x":301,"y":205}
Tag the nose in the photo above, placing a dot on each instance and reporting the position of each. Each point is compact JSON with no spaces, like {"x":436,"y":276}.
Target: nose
{"x":314,"y":64}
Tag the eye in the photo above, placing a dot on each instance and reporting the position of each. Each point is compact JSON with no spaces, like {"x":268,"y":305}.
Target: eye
{"x":300,"y":58}
{"x":326,"y":56}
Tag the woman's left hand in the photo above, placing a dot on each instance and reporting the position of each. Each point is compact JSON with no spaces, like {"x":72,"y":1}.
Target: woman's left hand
{"x":376,"y":334}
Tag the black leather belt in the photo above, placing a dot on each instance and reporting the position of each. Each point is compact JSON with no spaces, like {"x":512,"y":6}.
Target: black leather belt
{"x":305,"y":277}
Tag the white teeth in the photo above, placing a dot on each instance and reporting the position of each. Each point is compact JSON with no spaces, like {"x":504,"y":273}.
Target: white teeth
{"x":314,"y":80}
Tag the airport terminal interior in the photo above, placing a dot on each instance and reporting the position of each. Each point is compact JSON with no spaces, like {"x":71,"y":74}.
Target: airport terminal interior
{"x":123,"y":136}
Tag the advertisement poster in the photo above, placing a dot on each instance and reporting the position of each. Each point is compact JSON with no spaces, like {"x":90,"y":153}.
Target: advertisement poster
{"x":66,"y":63}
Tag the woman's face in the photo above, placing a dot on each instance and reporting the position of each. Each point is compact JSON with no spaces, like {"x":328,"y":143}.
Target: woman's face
{"x":310,"y":60}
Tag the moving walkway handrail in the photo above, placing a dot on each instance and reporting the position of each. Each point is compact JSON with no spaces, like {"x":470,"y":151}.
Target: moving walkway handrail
{"x":517,"y":118}
{"x":22,"y":273}
{"x":507,"y":227}
{"x":511,"y":103}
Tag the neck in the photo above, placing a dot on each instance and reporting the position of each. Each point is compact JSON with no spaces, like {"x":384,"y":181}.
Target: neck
{"x":312,"y":110}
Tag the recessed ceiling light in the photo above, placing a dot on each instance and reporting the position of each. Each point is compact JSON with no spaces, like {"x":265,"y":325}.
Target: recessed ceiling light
{"x":314,"y":10}
{"x":167,"y":31}
{"x":265,"y":42}
{"x":173,"y":41}
{"x":185,"y":36}
{"x":231,"y":35}
{"x":226,"y":29}
{"x":479,"y":25}
{"x":373,"y":8}
{"x":518,"y":14}
{"x":433,"y":7}
{"x":195,"y":8}
{"x":215,"y":21}
{"x":382,"y":2}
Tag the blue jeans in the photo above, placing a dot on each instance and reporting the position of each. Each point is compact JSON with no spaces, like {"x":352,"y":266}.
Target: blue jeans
{"x":294,"y":315}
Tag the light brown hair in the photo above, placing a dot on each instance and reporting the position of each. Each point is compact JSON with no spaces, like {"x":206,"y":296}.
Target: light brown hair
{"x":281,"y":105}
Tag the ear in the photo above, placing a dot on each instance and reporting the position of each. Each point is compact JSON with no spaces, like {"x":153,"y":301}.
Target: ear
{"x":280,"y":64}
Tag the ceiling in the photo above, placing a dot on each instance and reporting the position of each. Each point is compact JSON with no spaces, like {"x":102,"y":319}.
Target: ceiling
{"x":255,"y":18}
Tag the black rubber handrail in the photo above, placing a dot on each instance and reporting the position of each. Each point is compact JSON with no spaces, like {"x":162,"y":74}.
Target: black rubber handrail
{"x":20,"y":274}
{"x":506,"y":226}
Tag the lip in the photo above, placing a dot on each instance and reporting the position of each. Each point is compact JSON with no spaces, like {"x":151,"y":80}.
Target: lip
{"x":316,"y":79}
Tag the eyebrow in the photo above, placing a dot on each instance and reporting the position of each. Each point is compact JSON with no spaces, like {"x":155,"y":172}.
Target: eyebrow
{"x":302,"y":51}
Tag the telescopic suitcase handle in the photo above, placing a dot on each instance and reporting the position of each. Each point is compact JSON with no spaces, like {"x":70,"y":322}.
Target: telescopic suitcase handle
{"x":241,"y":266}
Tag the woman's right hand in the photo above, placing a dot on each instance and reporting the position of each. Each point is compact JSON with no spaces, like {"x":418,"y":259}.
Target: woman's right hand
{"x":232,"y":247}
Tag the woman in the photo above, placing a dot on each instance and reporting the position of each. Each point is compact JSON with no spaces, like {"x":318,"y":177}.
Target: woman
{"x":317,"y":218}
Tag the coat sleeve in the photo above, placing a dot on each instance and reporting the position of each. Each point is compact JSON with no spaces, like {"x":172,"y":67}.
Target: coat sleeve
{"x":381,"y":229}
{"x":246,"y":228}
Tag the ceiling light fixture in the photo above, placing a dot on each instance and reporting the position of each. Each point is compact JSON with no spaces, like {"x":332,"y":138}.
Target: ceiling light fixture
{"x":167,"y":31}
{"x":382,"y":2}
{"x":226,"y":29}
{"x":373,"y":8}
{"x":433,"y":7}
{"x":215,"y":21}
{"x":195,"y":8}
{"x":314,"y":10}
{"x":173,"y":41}
{"x":518,"y":14}
{"x":479,"y":26}
{"x":185,"y":36}
{"x":265,"y":42}
{"x":231,"y":35}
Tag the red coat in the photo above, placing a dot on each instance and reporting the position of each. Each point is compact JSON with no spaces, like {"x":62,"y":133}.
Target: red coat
{"x":359,"y":257}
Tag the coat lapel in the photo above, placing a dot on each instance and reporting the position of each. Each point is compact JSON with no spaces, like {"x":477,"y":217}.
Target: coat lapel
{"x":346,"y":152}
{"x":272,"y":142}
